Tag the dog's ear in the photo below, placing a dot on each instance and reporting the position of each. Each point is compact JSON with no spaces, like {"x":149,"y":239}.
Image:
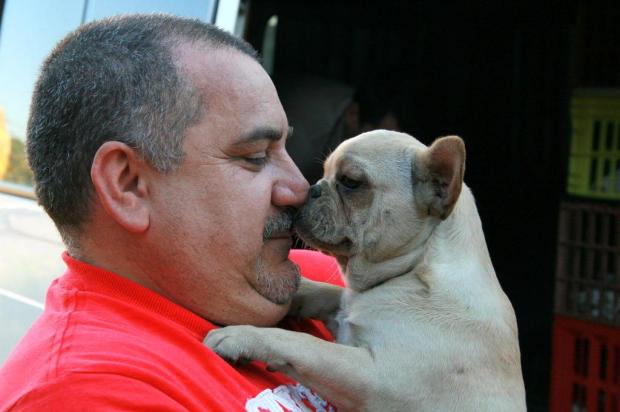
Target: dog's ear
{"x":438,"y":175}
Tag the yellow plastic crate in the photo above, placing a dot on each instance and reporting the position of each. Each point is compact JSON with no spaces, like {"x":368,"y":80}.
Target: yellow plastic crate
{"x":594,"y":164}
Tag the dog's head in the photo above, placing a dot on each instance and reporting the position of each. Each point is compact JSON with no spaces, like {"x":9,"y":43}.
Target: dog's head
{"x":381,"y":195}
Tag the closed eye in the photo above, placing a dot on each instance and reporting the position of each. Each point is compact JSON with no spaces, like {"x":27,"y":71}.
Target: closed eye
{"x":258,"y":159}
{"x":349,"y":183}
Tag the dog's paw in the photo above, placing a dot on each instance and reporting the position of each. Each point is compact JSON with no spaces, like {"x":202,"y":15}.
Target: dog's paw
{"x":233,"y":343}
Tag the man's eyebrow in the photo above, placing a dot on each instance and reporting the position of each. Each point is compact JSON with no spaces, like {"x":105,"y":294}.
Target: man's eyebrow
{"x":262,"y":133}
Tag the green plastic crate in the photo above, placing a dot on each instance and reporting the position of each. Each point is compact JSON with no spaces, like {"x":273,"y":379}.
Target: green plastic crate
{"x":594,"y":164}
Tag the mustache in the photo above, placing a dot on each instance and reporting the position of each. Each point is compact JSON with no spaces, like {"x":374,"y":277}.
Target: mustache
{"x":278,"y":224}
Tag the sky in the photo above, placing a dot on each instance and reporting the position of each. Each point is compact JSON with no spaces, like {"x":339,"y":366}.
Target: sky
{"x":31,"y":28}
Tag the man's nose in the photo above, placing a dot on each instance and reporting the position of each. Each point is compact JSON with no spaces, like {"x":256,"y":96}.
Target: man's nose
{"x":292,"y":188}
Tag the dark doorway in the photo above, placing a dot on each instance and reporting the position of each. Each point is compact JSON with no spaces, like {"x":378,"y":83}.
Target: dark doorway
{"x":499,"y":74}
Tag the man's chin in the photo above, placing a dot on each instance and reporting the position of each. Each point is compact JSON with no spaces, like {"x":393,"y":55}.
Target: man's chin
{"x":271,"y":317}
{"x":278,"y":284}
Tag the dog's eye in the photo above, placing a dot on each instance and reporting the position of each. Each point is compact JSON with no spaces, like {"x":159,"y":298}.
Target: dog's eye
{"x":349,"y":183}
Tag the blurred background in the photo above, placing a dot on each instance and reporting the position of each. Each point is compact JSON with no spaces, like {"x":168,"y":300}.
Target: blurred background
{"x":532,"y":87}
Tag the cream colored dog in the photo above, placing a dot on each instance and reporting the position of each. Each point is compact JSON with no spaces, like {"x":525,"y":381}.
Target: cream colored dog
{"x":423,"y":324}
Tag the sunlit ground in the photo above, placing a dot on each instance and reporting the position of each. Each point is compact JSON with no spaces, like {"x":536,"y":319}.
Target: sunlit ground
{"x":30,"y":250}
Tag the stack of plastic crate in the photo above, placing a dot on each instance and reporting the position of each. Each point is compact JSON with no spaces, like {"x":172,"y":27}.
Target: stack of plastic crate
{"x":586,"y":331}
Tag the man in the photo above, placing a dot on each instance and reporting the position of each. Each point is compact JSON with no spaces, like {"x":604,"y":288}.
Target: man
{"x":158,"y":149}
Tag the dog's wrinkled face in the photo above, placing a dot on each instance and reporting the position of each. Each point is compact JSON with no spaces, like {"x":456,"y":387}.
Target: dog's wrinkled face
{"x":381,"y":194}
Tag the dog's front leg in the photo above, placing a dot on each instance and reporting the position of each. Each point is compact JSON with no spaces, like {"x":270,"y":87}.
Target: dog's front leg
{"x":317,"y":300}
{"x":344,"y":375}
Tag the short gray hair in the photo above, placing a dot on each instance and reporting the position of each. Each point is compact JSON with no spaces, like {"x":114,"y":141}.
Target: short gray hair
{"x":113,"y":80}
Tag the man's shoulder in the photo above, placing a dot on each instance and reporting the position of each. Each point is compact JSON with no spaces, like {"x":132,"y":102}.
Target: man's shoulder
{"x":99,"y":352}
{"x":152,"y":351}
{"x":78,"y":391}
{"x":124,"y":372}
{"x":317,"y":266}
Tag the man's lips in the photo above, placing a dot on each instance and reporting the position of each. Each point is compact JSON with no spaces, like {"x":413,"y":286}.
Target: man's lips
{"x":281,"y":235}
{"x":277,"y":236}
{"x":280,"y":243}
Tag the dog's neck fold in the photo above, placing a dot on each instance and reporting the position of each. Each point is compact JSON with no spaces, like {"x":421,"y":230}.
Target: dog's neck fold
{"x":460,"y":234}
{"x":369,"y":268}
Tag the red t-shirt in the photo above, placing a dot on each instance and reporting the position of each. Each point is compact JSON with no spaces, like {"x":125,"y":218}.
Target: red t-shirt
{"x":107,"y":343}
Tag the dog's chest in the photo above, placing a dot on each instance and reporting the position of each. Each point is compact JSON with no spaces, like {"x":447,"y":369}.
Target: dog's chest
{"x":357,"y":319}
{"x":345,"y":334}
{"x":370,"y":316}
{"x":344,"y":330}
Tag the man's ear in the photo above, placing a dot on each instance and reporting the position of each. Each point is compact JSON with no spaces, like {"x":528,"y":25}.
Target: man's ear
{"x":120,"y":178}
{"x":438,"y":175}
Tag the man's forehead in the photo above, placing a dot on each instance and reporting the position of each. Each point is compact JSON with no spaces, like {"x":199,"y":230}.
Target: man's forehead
{"x":216,"y":67}
{"x":227,"y":78}
{"x":237,"y":93}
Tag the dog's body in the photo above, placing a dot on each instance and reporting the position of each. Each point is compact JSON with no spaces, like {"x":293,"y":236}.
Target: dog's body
{"x":423,"y":324}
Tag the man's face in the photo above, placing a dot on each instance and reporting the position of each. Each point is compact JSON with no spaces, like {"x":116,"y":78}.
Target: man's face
{"x":219,"y":225}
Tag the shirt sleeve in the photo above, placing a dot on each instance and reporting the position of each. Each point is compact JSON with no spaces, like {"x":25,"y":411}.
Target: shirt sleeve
{"x":96,"y":392}
{"x":317,"y":266}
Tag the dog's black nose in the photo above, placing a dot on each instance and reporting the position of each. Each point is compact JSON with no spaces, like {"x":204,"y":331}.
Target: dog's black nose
{"x":315,"y":191}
